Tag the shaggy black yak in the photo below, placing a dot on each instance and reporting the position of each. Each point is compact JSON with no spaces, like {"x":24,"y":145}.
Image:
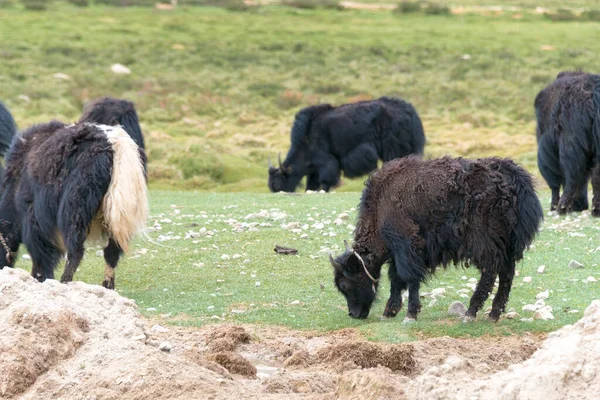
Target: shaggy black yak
{"x":110,"y":111}
{"x":416,"y":215}
{"x":568,"y":135}
{"x":8,"y":129}
{"x":327,"y":140}
{"x":64,"y":184}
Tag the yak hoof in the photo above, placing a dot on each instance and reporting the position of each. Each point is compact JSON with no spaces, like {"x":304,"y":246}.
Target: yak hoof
{"x":468,"y":319}
{"x":409,"y":320}
{"x":493,"y":318}
{"x":109,"y":284}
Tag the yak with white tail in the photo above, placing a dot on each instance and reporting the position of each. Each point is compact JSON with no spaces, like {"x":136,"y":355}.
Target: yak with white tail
{"x":66,"y":184}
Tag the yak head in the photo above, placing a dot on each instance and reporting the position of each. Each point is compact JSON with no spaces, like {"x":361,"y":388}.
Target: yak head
{"x":279,"y":177}
{"x":353,"y":280}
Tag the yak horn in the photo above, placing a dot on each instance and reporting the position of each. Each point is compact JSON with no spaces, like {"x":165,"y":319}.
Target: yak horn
{"x":347,"y":246}
{"x":335,"y":264}
{"x":279,"y":158}
{"x":270,"y":163}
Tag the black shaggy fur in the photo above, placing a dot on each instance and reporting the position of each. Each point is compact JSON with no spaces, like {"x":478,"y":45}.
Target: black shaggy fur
{"x":110,"y":111}
{"x":568,"y":135}
{"x":327,"y":140}
{"x":56,"y":177}
{"x":417,"y":215}
{"x":8,"y":129}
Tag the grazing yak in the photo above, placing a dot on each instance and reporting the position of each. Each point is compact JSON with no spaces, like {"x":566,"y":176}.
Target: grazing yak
{"x":110,"y":111}
{"x":64,"y":184}
{"x":327,"y":140}
{"x":417,"y":215}
{"x":568,"y":135}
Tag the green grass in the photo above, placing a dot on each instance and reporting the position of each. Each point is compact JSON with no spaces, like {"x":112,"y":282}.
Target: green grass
{"x":171,"y":279}
{"x":217,"y":89}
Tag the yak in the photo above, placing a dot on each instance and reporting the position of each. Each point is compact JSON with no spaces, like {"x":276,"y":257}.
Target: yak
{"x":416,"y":215}
{"x":327,"y":140}
{"x":8,"y":129}
{"x":65,"y":184}
{"x":568,"y":136}
{"x":111,"y":111}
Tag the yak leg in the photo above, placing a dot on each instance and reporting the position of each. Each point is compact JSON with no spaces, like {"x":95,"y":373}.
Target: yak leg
{"x":112,"y":253}
{"x":549,"y":166}
{"x":596,"y":189}
{"x":574,"y":162}
{"x":44,"y":254}
{"x":312,"y":181}
{"x":74,"y":256}
{"x":394,"y":303}
{"x":499,"y":303}
{"x":481,"y":294}
{"x":414,"y":302}
{"x":328,"y":169}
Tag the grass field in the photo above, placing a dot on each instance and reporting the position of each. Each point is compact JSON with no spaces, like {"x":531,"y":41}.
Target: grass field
{"x":217,"y":90}
{"x":212,"y":275}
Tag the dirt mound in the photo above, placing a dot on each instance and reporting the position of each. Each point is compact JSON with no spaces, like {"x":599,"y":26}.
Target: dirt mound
{"x":567,"y":366}
{"x":370,"y":355}
{"x":80,"y":341}
{"x":226,"y":338}
{"x":233,"y":363}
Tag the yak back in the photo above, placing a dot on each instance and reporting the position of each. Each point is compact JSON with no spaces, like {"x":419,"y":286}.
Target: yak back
{"x":26,"y":142}
{"x":54,"y":158}
{"x":8,"y":128}
{"x":450,"y":209}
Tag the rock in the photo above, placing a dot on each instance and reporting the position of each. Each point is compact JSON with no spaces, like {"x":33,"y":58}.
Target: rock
{"x":26,"y":257}
{"x":527,"y":279}
{"x":295,"y":302}
{"x":318,"y":225}
{"x":120,"y":69}
{"x":544,"y":314}
{"x":575,"y":264}
{"x":543,"y":295}
{"x":257,"y":284}
{"x":457,"y":308}
{"x":100,"y":253}
{"x":526,"y":319}
{"x":165,"y":346}
{"x":159,"y":329}
{"x":343,"y":216}
{"x":432,"y":303}
{"x":225,"y":257}
{"x":512,"y":315}
{"x":236,"y":256}
{"x":541,"y":269}
{"x":529,"y":307}
{"x":61,"y":76}
{"x":591,"y":279}
{"x":292,"y":225}
{"x":539,"y":304}
{"x":438,"y":292}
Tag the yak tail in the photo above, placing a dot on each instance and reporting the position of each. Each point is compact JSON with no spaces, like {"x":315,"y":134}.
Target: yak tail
{"x":529,"y":209}
{"x":125,"y":205}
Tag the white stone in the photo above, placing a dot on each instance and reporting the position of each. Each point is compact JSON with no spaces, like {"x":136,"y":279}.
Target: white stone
{"x":457,"y":308}
{"x":575,"y":264}
{"x":120,"y":69}
{"x":529,"y":307}
{"x":165,"y":346}
{"x":541,"y":269}
{"x":543,"y":295}
{"x":544,"y":314}
{"x":527,"y":279}
{"x":438,"y":292}
{"x":512,"y":315}
{"x":591,"y":279}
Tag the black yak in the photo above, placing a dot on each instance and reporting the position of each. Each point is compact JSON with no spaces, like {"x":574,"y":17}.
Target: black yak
{"x":64,"y":184}
{"x":327,"y":140}
{"x":8,"y":129}
{"x":110,"y":111}
{"x":417,"y":215}
{"x":568,"y":135}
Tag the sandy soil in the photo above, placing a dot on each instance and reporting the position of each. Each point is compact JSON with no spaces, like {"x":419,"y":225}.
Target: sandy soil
{"x":81,"y":341}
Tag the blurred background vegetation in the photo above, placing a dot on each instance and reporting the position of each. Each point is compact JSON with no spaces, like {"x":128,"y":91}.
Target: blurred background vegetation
{"x":217,"y":83}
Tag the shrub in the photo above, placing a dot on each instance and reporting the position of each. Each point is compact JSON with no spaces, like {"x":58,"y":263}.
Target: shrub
{"x":437,"y":9}
{"x":591,"y":15}
{"x":80,"y":3}
{"x":36,"y":5}
{"x":407,"y":7}
{"x":562,"y":15}
{"x":313,"y":4}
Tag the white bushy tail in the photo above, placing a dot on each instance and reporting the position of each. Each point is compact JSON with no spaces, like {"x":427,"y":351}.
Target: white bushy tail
{"x":125,"y":205}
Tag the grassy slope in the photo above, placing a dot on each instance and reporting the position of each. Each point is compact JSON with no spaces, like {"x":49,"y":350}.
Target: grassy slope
{"x":171,"y":278}
{"x":217,"y":90}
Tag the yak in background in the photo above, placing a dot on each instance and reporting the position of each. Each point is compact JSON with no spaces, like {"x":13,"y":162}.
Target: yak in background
{"x":327,"y":140}
{"x":416,"y":215}
{"x":65,"y":183}
{"x":111,"y":111}
{"x":568,"y":135}
{"x":8,"y":129}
